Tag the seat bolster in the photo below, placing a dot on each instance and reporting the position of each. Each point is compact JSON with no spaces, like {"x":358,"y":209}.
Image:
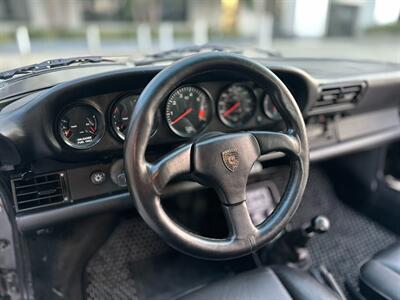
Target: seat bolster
{"x":273,"y":283}
{"x":380,"y":277}
{"x":253,"y":285}
{"x":302,"y":286}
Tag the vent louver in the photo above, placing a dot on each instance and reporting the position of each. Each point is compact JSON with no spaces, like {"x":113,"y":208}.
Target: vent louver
{"x":338,"y":97}
{"x":39,"y":191}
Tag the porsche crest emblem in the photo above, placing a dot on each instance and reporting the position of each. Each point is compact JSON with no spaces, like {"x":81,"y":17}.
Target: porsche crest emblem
{"x":230,"y":157}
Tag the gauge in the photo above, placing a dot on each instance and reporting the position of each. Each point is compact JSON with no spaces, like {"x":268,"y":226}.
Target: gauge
{"x":121,"y":112}
{"x":236,"y":105}
{"x":81,"y":126}
{"x":188,"y":111}
{"x":270,"y":109}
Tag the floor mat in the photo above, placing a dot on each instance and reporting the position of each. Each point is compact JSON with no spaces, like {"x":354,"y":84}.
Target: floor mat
{"x":108,"y":272}
{"x":136,"y":264}
{"x":352,"y":239}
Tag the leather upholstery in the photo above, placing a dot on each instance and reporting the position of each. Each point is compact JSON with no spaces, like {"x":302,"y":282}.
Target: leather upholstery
{"x":380,"y":277}
{"x":278,"y":282}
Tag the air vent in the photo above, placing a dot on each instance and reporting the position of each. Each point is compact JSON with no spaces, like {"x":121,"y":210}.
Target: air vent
{"x":342,"y":96}
{"x":39,"y":191}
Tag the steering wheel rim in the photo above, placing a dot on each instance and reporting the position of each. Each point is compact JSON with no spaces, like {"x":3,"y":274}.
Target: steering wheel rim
{"x":205,"y":160}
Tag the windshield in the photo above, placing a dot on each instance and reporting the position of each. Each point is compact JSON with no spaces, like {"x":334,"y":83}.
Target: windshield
{"x":34,"y":31}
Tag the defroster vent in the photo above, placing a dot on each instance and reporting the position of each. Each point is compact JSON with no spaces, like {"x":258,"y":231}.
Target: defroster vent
{"x":340,"y":94}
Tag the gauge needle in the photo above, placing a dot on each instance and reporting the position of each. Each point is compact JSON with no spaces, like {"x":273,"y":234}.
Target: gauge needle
{"x":202,"y":113}
{"x":188,"y":111}
{"x":68,"y":133}
{"x":231,"y":109}
{"x":92,"y":129}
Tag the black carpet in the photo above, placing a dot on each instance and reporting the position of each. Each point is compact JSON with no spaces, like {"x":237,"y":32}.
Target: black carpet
{"x":136,"y":264}
{"x":108,"y":274}
{"x":352,"y":239}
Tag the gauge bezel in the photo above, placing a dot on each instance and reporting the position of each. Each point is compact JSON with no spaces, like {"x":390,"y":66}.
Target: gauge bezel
{"x":222,"y":118}
{"x":101,"y":126}
{"x":210,"y":106}
{"x":119,"y":135}
{"x":266,"y":112}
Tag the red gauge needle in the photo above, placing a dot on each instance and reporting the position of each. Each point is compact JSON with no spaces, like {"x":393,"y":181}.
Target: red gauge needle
{"x":188,"y":111}
{"x":68,"y":133}
{"x":202,"y":114}
{"x":231,"y":109}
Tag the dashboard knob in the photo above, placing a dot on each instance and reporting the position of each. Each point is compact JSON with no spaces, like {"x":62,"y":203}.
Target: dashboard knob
{"x":117,"y":173}
{"x":98,"y":177}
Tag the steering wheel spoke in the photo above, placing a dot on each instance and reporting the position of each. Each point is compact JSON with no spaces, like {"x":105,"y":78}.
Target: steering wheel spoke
{"x":239,"y":222}
{"x":277,"y":141}
{"x":173,"y":164}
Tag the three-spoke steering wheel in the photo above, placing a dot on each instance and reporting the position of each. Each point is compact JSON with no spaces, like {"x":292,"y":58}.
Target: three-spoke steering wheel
{"x":222,"y":161}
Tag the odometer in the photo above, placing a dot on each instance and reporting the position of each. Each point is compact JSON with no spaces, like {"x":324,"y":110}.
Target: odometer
{"x":188,"y":111}
{"x":81,"y":126}
{"x":236,"y":105}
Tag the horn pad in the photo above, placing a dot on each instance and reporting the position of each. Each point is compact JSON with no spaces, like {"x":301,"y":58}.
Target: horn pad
{"x":224,"y":163}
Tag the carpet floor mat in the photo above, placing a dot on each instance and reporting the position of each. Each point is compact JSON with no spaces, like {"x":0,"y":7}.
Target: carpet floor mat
{"x":352,"y":239}
{"x":136,"y":264}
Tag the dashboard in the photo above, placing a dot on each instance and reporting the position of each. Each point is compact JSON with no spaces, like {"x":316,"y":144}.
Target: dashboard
{"x":67,"y":132}
{"x":189,"y":111}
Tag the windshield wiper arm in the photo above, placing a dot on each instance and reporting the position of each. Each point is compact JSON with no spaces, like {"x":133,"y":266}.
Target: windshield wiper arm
{"x":51,"y":64}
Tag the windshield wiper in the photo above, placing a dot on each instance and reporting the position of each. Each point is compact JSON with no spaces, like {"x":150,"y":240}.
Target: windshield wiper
{"x":52,"y":64}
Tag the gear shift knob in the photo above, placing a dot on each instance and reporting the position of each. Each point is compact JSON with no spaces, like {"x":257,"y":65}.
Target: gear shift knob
{"x":319,"y":224}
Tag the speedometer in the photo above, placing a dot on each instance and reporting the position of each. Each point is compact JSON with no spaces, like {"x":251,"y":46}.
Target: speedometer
{"x":81,"y":126}
{"x":236,"y":105}
{"x":188,"y":111}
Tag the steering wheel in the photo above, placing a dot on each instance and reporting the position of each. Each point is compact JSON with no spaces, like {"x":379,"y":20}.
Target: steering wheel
{"x":221,"y":161}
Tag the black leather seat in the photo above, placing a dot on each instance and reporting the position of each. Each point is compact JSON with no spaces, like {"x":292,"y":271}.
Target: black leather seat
{"x":380,"y":277}
{"x":278,"y":282}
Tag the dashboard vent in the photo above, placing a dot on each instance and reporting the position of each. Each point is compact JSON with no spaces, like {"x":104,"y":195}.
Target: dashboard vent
{"x":39,"y":191}
{"x":339,"y":97}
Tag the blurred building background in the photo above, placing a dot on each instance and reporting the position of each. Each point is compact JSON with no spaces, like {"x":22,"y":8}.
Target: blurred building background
{"x":32,"y":30}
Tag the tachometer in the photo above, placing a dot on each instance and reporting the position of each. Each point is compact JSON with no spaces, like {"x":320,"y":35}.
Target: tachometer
{"x":121,"y":112}
{"x":81,"y":126}
{"x":188,"y":111}
{"x":236,"y":105}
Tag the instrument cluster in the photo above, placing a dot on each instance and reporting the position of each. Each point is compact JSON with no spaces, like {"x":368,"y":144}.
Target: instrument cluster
{"x":188,"y":111}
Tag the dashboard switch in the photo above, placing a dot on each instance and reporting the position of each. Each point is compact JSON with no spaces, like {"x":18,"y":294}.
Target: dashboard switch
{"x":98,"y":177}
{"x":121,"y":179}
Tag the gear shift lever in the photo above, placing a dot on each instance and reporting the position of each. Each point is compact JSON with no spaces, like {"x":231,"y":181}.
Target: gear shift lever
{"x":292,"y":245}
{"x":318,"y":224}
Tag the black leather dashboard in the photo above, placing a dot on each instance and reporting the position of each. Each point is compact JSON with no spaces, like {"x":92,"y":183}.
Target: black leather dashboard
{"x":30,"y":108}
